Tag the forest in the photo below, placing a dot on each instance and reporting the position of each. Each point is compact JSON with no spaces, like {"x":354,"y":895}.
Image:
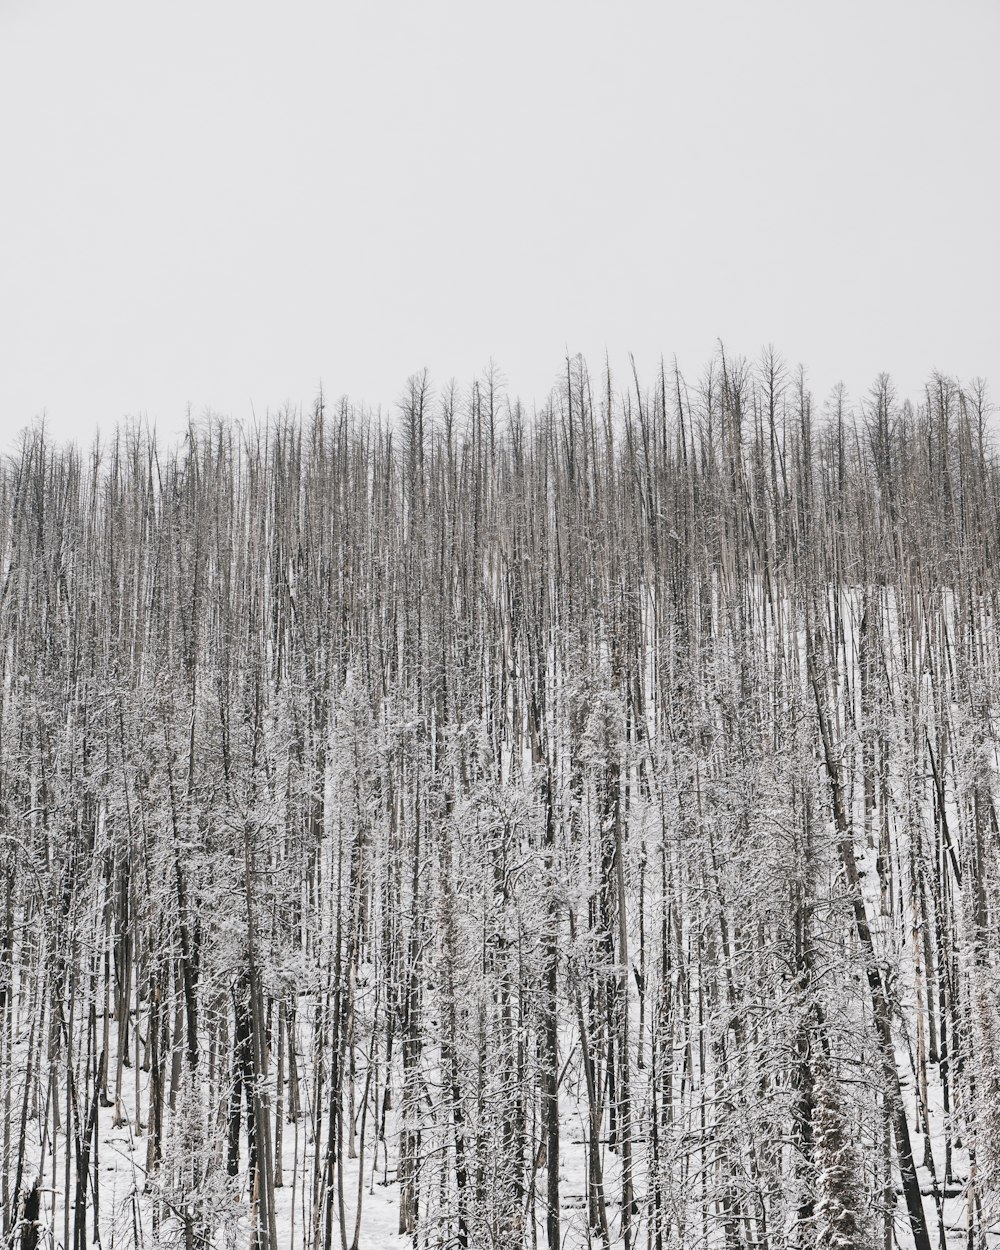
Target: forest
{"x":465,"y":826}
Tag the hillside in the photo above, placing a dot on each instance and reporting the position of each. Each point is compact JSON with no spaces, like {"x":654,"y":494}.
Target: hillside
{"x":472,"y":829}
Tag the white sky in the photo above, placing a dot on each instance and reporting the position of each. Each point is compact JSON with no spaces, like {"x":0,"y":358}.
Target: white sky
{"x":218,"y":204}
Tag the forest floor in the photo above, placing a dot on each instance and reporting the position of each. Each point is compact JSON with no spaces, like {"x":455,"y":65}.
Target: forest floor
{"x":125,"y":1209}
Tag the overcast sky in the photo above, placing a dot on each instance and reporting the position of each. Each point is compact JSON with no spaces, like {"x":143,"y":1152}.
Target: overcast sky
{"x":221,"y":204}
